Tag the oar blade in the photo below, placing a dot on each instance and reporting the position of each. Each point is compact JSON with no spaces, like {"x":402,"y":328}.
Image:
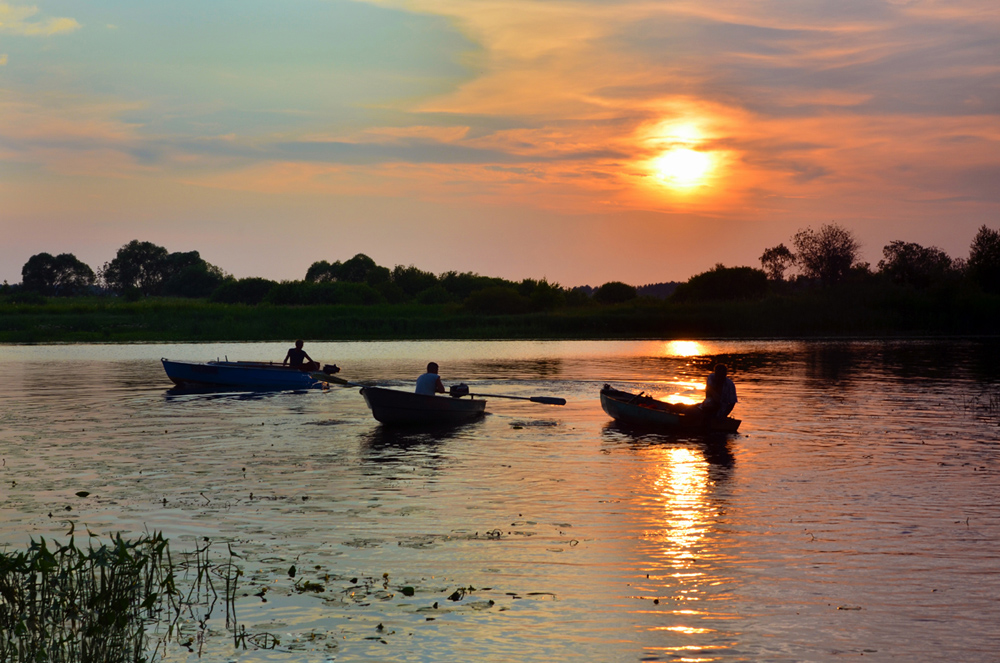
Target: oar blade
{"x":548,"y":400}
{"x":333,"y":379}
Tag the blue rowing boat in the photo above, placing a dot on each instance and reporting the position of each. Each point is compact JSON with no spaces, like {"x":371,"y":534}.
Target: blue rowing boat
{"x":239,"y":374}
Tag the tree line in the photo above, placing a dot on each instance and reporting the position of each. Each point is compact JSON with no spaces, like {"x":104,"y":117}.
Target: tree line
{"x":143,"y":269}
{"x":829,"y":257}
{"x":818,"y":259}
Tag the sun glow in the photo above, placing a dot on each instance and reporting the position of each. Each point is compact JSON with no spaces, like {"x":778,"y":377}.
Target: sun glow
{"x":683,"y":167}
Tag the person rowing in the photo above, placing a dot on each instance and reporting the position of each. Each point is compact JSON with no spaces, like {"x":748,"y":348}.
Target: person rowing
{"x":430,"y":382}
{"x":720,"y":393}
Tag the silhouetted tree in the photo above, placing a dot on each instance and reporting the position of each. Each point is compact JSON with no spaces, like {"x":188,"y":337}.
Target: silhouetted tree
{"x":657,"y":290}
{"x":615,"y":292}
{"x":776,"y":260}
{"x":461,"y":285}
{"x":723,"y":283}
{"x":412,"y":280}
{"x":138,"y":265}
{"x":910,"y":264}
{"x":359,"y":269}
{"x":62,"y":275}
{"x":323,"y":272}
{"x":199,"y":279}
{"x":984,"y":259}
{"x":362,"y":269}
{"x":827,"y":254}
{"x":546,"y":296}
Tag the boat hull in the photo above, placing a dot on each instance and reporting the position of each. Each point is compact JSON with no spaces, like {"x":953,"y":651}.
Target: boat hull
{"x":240,"y":374}
{"x":643,"y":411}
{"x":392,"y":406}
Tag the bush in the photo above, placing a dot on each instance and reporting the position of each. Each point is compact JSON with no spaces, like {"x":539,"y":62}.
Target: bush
{"x":497,"y":301}
{"x":27,"y":297}
{"x":249,"y":291}
{"x":723,"y":283}
{"x":303,"y":293}
{"x":435,"y":295}
{"x":615,"y":292}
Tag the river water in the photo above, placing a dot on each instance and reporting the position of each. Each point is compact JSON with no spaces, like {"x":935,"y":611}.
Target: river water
{"x":857,"y":512}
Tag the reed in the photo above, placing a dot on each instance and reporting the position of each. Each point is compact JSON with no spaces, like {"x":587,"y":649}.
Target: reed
{"x":875,"y":311}
{"x":116,"y":603}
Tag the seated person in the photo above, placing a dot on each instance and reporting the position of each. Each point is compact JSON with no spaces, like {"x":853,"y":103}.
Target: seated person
{"x":430,"y":382}
{"x":720,"y":393}
{"x":297,"y":358}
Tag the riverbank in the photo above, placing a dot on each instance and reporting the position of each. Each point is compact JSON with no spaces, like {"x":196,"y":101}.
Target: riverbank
{"x":176,"y":320}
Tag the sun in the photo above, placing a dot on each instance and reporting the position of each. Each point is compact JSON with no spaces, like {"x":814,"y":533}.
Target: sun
{"x":683,"y":167}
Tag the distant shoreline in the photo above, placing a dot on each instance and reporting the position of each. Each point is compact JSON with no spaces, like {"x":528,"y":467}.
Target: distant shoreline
{"x":834,"y":317}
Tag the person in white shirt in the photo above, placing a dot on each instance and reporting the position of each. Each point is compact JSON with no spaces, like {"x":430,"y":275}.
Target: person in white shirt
{"x":720,"y":393}
{"x":430,"y":382}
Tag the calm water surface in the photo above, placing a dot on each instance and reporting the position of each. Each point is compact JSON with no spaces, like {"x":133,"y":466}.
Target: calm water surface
{"x":856,"y":513}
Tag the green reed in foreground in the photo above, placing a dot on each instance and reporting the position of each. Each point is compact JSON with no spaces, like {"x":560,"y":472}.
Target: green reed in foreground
{"x":64,"y":604}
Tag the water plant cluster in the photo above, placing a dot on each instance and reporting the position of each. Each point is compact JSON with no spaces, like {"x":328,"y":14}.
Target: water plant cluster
{"x":122,"y":601}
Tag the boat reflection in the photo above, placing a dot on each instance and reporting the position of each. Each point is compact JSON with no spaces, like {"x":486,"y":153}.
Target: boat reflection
{"x":225,"y":393}
{"x":390,"y":442}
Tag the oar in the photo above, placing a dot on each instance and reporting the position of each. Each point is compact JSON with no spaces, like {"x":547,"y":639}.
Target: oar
{"x":326,"y":377}
{"x":547,"y":400}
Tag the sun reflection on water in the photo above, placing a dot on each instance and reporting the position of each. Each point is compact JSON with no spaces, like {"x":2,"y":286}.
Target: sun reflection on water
{"x":683,"y":349}
{"x":683,"y":486}
{"x":681,"y":489}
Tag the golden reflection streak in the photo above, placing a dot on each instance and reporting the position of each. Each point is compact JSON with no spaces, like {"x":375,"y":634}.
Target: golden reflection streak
{"x":683,"y":349}
{"x":683,"y":485}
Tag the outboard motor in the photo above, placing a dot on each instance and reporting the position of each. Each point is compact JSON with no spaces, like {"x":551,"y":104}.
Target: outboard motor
{"x":458,"y":390}
{"x":330,"y":369}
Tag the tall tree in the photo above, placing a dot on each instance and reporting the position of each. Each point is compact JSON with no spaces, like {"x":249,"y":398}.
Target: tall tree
{"x":138,"y":265}
{"x":322,"y":271}
{"x":362,"y":269}
{"x":827,"y":254}
{"x":907,"y":263}
{"x":412,"y":280}
{"x":776,"y":260}
{"x":984,"y":259}
{"x":63,"y":275}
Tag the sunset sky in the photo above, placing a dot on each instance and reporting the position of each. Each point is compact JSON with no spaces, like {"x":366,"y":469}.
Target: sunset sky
{"x":583,"y":142}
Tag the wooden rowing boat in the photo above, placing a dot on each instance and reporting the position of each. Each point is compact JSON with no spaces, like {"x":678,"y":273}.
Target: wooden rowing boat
{"x":648,"y":412}
{"x":392,"y":406}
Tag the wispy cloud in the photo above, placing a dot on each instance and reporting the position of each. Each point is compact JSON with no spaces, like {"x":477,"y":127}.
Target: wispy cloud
{"x":20,"y":20}
{"x":826,"y":109}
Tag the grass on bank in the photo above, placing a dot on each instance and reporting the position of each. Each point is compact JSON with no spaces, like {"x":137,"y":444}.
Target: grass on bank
{"x":873,"y":312}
